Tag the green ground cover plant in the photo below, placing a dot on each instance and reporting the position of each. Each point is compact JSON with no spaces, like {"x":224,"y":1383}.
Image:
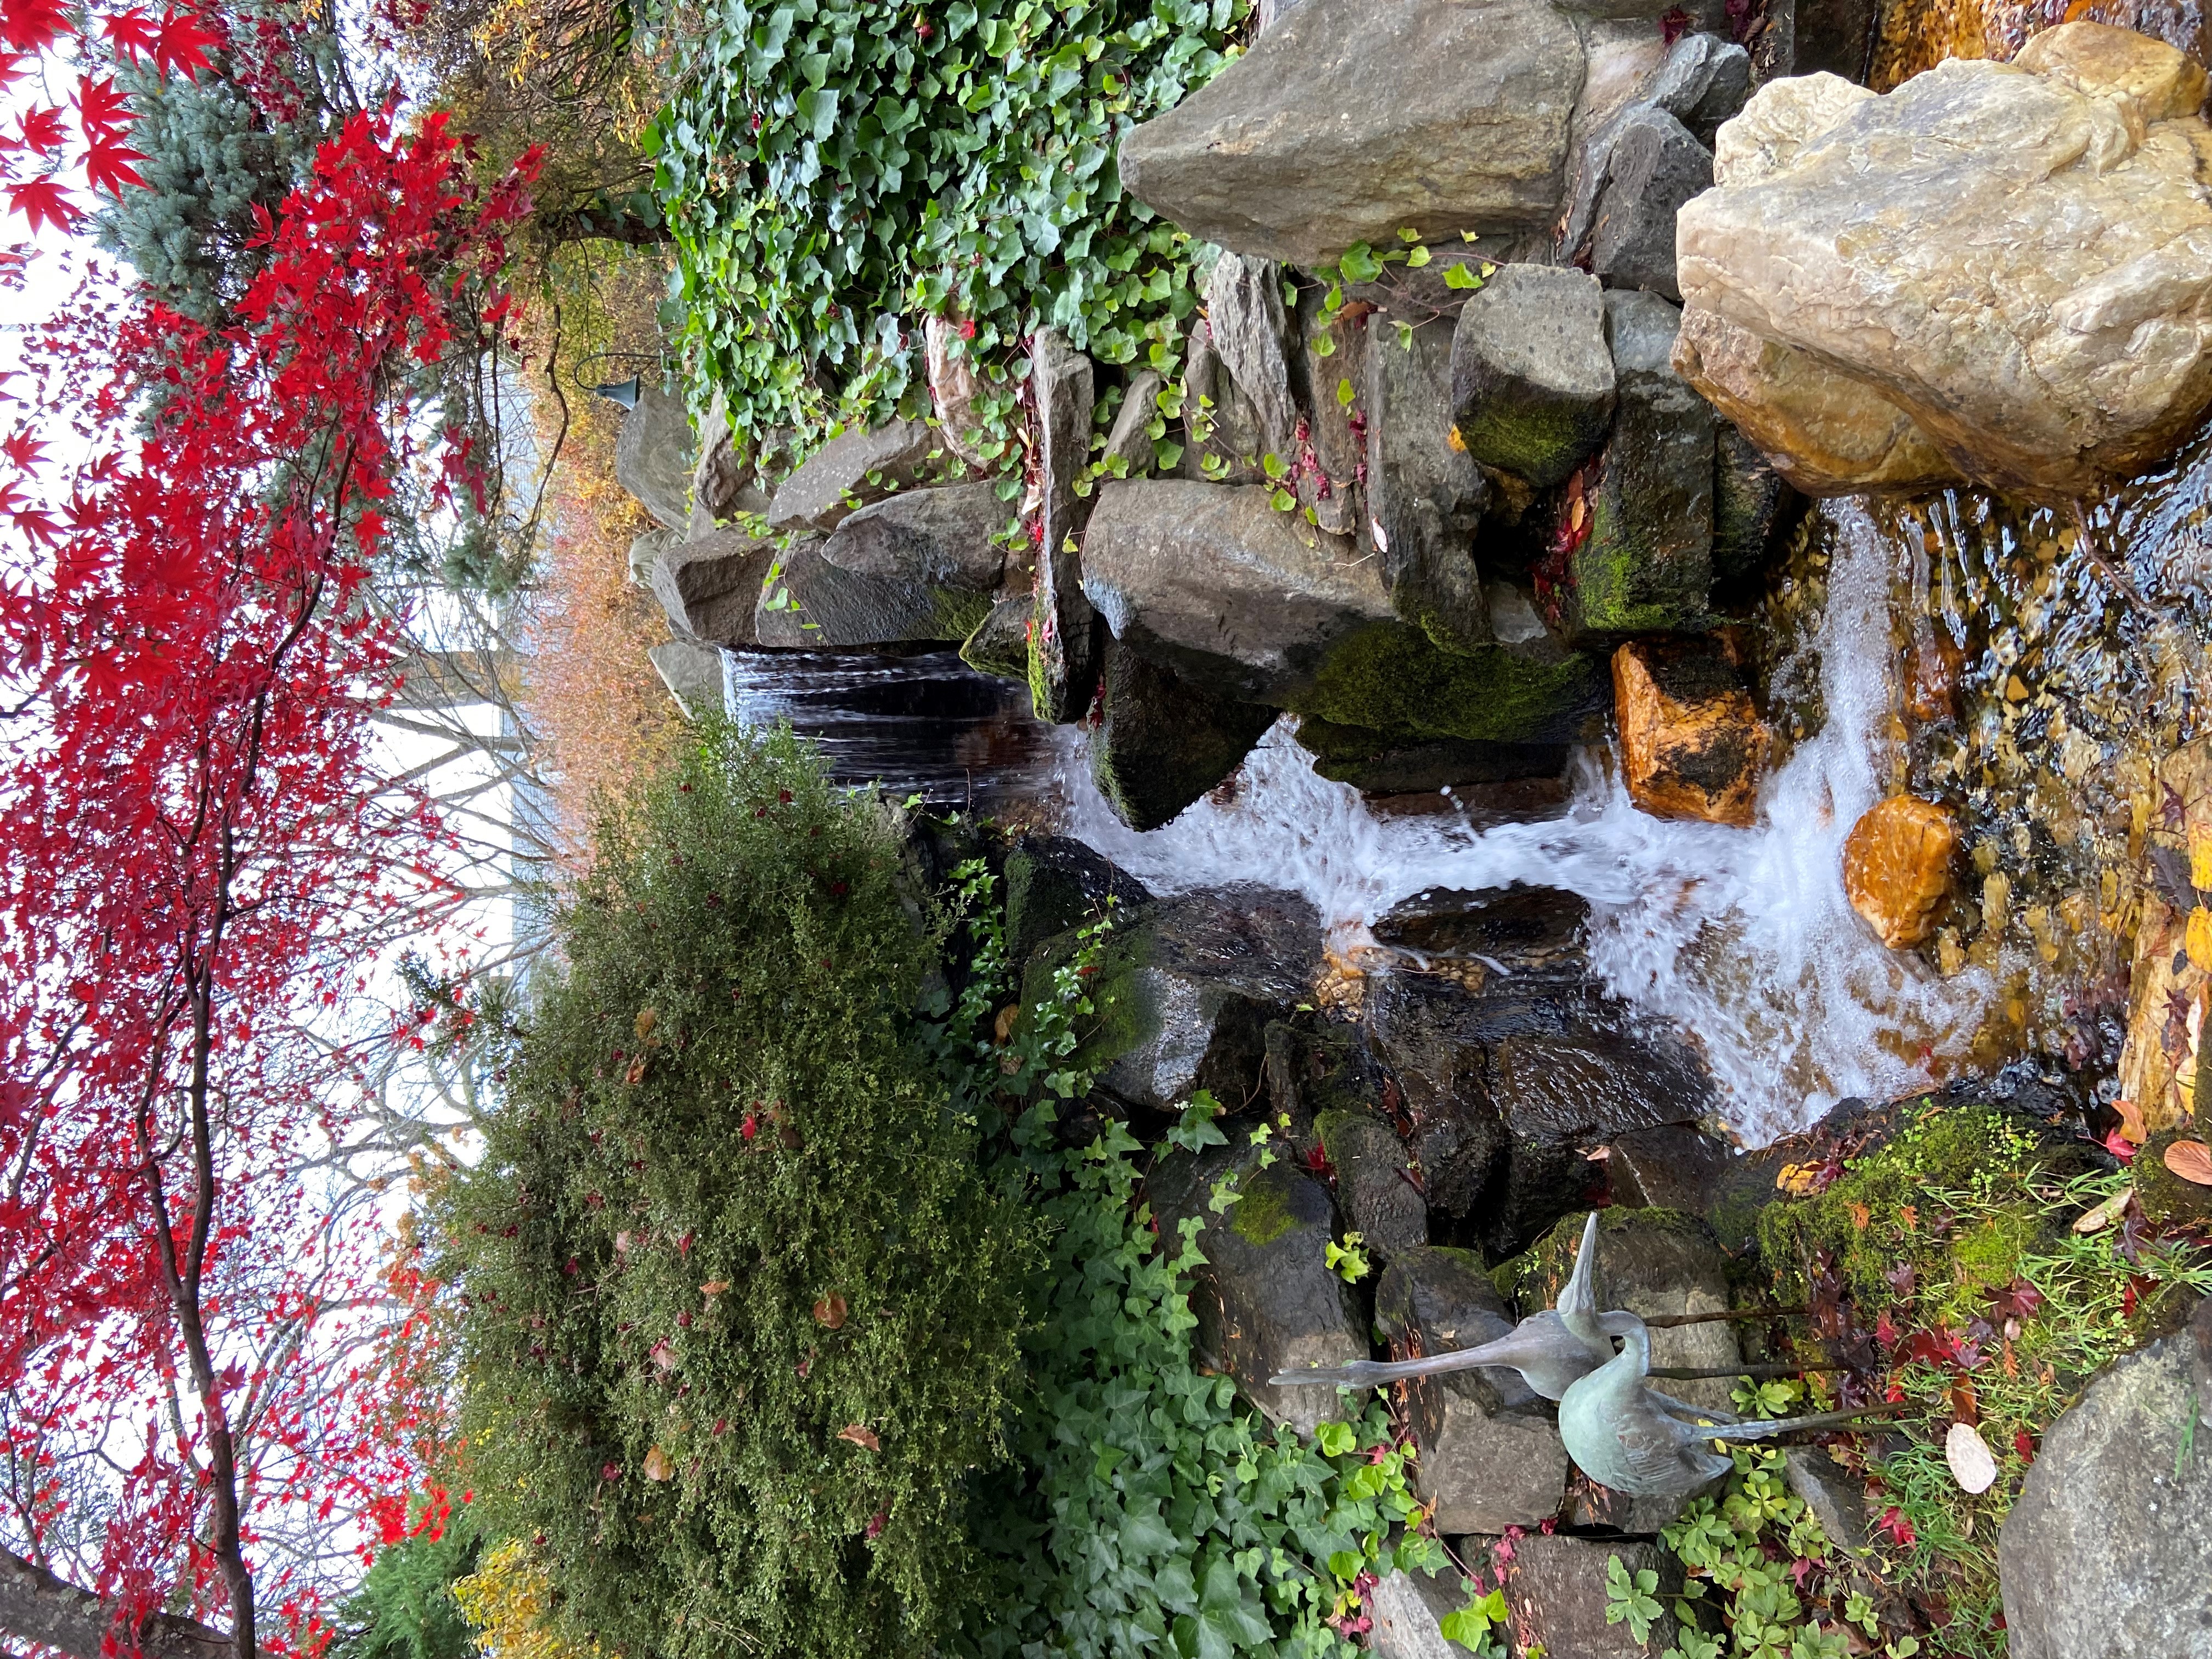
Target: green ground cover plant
{"x":1954,"y":1252}
{"x":797,"y":1317}
{"x":834,"y":171}
{"x":739,"y":1311}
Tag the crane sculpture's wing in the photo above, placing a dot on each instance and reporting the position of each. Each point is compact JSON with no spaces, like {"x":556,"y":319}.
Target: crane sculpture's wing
{"x":1655,"y":1456}
{"x":1507,"y":1351}
{"x":1687,"y":1412}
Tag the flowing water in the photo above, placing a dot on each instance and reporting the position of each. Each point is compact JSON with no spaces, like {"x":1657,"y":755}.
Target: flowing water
{"x":925,"y":723}
{"x":1974,"y":652}
{"x":1743,"y":937}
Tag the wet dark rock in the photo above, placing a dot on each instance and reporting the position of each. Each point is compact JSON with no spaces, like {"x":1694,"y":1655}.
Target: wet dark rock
{"x":1055,"y":883}
{"x":1652,"y":166}
{"x":1750,"y":504}
{"x":1380,"y":764}
{"x":710,"y":588}
{"x":945,"y":539}
{"x":1456,"y":1133}
{"x":1671,"y":1166}
{"x":1250,"y":331}
{"x":1645,"y":564}
{"x":1160,"y":744}
{"x":827,"y":607}
{"x":2108,"y":1549}
{"x":1001,"y":643}
{"x":1184,"y":993}
{"x":1229,"y":453}
{"x":1393,"y":679}
{"x":1343,"y":124}
{"x":1424,"y":496}
{"x":1331,"y":486}
{"x":1065,"y":646}
{"x":693,"y":674}
{"x":1265,"y":1299}
{"x":1836,"y":37}
{"x":1130,"y":439}
{"x":1375,"y":1185}
{"x":1517,"y":931}
{"x":653,"y":455}
{"x":1556,"y":1590}
{"x":1532,"y":380}
{"x":1489,"y":1454}
{"x":1313,"y":1071}
{"x":849,"y":472}
{"x":1211,"y":580}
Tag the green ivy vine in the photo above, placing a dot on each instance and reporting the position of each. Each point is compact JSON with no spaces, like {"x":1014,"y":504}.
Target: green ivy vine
{"x":1151,"y":1511}
{"x":834,"y":171}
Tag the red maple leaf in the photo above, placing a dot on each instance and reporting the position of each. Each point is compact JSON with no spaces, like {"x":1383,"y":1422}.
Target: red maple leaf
{"x":2018,"y":1300}
{"x":1893,"y":1522}
{"x":107,"y":166}
{"x":130,"y":32}
{"x":33,"y":25}
{"x":43,"y":201}
{"x":183,"y":44}
{"x":42,"y":129}
{"x":100,"y":109}
{"x":2120,"y":1147}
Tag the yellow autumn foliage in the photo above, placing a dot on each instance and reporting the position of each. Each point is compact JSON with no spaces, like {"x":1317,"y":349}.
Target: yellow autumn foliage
{"x":509,"y":1602}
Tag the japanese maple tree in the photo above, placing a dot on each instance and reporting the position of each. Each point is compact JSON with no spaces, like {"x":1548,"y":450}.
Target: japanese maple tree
{"x":200,"y":854}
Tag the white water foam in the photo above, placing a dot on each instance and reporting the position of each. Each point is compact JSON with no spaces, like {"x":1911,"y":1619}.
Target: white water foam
{"x":1742,"y":936}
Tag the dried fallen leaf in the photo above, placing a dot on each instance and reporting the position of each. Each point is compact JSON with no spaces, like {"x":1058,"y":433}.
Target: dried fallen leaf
{"x":2096,"y":1220}
{"x":830,"y":1312}
{"x":859,"y":1434}
{"x":1968,"y":1454}
{"x":647,"y":1019}
{"x":657,"y":1466}
{"x":2131,"y":1121}
{"x":2191,"y":1160}
{"x":1860,"y":1216}
{"x":714,"y":1287}
{"x":635,"y":1074}
{"x":1003,"y":1026}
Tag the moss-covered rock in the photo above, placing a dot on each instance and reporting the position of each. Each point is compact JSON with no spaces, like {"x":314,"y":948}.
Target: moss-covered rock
{"x":1160,"y":744}
{"x":1390,"y":678}
{"x":1183,"y":994}
{"x":1000,"y":644}
{"x":2167,"y":1199}
{"x":1055,"y":883}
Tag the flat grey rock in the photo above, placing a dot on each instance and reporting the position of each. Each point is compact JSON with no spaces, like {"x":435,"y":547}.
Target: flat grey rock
{"x":710,"y":588}
{"x":654,"y":456}
{"x":849,"y":472}
{"x":1344,"y":123}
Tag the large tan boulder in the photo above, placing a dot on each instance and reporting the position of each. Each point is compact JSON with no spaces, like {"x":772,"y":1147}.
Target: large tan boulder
{"x":1898,"y":862}
{"x":2016,"y":256}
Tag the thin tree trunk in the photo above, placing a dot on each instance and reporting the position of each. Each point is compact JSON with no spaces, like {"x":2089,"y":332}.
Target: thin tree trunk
{"x":37,"y":1608}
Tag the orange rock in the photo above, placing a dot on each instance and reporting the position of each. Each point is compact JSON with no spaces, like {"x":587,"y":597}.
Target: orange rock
{"x":1897,"y":867}
{"x":2170,"y":990}
{"x":1691,"y":744}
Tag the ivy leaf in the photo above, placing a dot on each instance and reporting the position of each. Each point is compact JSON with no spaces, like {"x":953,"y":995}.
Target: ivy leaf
{"x":1344,"y":393}
{"x":1359,"y":264}
{"x":1460,"y":275}
{"x":1418,"y":257}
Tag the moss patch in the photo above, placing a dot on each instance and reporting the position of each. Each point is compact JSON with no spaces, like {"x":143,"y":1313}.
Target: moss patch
{"x":1263,"y":1214}
{"x":1123,"y":1016}
{"x":1394,"y":679}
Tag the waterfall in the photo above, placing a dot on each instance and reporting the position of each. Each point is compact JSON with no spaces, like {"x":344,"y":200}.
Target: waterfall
{"x":1742,"y":936}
